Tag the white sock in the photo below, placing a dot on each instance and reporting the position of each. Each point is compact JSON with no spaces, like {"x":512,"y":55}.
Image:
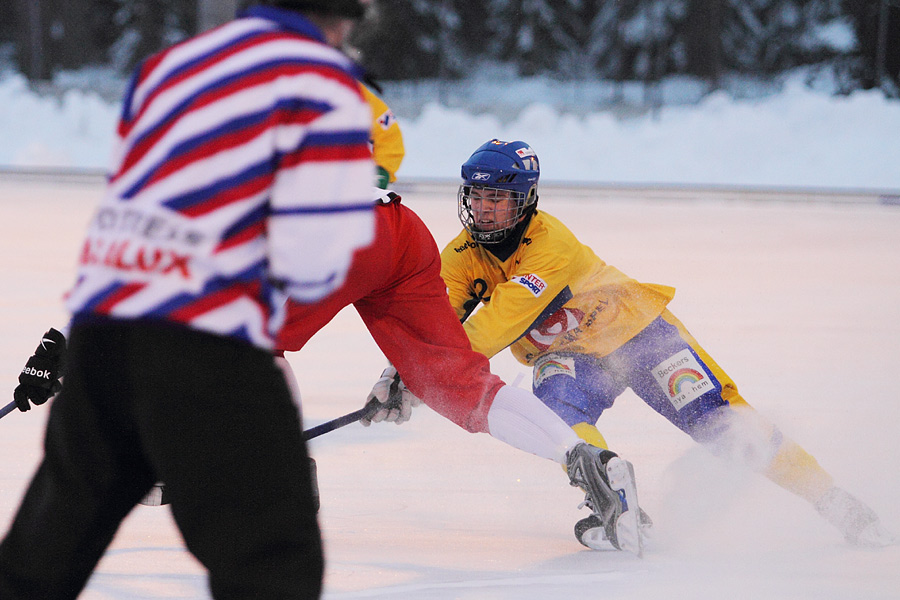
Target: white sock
{"x":518,"y":418}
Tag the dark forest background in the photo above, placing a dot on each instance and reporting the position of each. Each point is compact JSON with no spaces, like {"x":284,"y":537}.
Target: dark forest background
{"x":616,"y":40}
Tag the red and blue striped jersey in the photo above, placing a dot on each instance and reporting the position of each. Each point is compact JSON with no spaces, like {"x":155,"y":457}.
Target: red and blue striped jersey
{"x":241,"y":176}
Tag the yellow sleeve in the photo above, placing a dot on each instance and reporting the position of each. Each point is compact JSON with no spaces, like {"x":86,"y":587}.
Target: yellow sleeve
{"x":466,"y":291}
{"x":386,"y":138}
{"x":552,"y":295}
{"x":516,"y":293}
{"x":538,"y":281}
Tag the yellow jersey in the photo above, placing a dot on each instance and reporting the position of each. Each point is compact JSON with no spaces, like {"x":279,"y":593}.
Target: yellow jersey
{"x":386,"y":139}
{"x":553,"y":294}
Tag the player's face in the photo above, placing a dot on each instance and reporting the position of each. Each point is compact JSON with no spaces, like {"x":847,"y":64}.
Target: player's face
{"x":493,"y":209}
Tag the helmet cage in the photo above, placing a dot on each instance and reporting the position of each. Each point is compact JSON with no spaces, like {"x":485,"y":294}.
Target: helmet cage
{"x":497,"y":172}
{"x":492,"y":223}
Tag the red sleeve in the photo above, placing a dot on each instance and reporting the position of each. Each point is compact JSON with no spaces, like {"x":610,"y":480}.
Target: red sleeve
{"x":411,"y":320}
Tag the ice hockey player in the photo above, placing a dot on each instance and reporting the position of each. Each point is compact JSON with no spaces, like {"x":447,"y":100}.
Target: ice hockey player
{"x":386,"y":137}
{"x":242,"y":177}
{"x":395,"y":286}
{"x":386,"y":144}
{"x":590,"y":332}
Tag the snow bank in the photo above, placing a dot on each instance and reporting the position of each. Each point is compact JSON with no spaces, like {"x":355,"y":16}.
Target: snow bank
{"x":798,"y":137}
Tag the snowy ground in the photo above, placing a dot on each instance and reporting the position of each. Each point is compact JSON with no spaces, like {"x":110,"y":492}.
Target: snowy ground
{"x":799,"y":302}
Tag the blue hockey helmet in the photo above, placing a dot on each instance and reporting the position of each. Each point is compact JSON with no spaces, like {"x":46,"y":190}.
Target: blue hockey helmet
{"x":498,"y":171}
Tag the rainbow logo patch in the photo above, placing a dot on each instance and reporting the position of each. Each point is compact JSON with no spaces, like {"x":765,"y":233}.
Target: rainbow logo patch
{"x":551,"y":365}
{"x":682,"y":378}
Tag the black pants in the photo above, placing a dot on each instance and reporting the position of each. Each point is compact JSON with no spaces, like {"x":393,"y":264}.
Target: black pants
{"x":211,"y":417}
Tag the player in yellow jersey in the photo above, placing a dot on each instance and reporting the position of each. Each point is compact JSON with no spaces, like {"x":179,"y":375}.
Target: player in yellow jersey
{"x":386,"y":139}
{"x":590,"y":332}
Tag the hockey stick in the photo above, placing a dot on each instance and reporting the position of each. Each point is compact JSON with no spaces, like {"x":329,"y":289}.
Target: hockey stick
{"x":156,"y":497}
{"x":7,"y":409}
{"x":309,"y":434}
{"x":157,"y":494}
{"x":312,"y":432}
{"x":370,"y":408}
{"x":372,"y":405}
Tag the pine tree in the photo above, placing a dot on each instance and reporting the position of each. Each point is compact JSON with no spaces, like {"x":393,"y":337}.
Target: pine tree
{"x":702,"y":27}
{"x":604,"y":51}
{"x":52,"y":35}
{"x":651,"y":37}
{"x":768,"y":36}
{"x":147,"y":26}
{"x":865,"y":17}
{"x":446,"y":39}
{"x":483,"y":31}
{"x":409,"y":39}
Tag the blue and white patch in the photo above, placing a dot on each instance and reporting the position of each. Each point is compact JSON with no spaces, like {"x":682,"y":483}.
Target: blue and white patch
{"x":387,"y":119}
{"x":481,"y":176}
{"x":532,"y":283}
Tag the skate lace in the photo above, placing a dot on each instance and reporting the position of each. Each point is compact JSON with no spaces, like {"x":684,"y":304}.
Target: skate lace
{"x":578,"y":479}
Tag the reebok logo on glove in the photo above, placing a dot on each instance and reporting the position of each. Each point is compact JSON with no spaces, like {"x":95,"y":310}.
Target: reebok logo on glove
{"x":44,"y":374}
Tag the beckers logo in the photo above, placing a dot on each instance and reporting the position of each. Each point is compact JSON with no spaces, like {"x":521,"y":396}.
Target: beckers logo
{"x":682,"y":378}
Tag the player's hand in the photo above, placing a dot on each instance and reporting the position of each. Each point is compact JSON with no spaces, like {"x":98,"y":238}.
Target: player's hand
{"x":394,"y":400}
{"x":40,"y":379}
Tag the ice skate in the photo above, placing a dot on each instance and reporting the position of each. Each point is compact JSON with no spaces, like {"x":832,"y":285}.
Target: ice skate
{"x":591,"y":532}
{"x":610,"y":493}
{"x":156,"y":496}
{"x":857,"y":522}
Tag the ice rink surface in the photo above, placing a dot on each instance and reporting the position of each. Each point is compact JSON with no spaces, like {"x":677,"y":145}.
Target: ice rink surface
{"x":799,"y":302}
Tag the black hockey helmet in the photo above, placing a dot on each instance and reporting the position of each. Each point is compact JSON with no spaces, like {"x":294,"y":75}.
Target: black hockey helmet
{"x":352,"y":9}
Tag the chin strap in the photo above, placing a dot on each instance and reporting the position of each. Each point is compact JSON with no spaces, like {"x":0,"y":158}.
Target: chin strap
{"x":503,"y":250}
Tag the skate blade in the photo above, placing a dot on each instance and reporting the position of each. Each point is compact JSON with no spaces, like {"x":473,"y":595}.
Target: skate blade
{"x":595,"y":539}
{"x":156,"y":496}
{"x":629,"y":532}
{"x":876,"y":536}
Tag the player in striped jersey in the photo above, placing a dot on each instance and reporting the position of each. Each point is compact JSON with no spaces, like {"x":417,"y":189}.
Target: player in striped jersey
{"x":241,"y":177}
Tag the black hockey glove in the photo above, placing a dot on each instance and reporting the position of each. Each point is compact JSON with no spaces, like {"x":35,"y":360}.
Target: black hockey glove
{"x":39,"y":380}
